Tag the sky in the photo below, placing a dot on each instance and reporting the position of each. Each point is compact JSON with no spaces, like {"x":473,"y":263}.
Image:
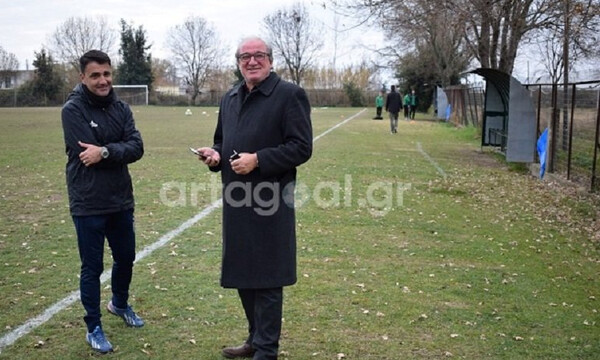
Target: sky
{"x":26,"y":25}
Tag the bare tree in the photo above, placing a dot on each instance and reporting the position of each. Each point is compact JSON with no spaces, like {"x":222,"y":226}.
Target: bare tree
{"x":8,"y":61}
{"x":573,"y":36}
{"x":432,"y":32}
{"x":423,"y":28}
{"x":78,"y":35}
{"x":196,"y":49}
{"x":8,"y":66}
{"x":295,"y":38}
{"x":324,"y":77}
{"x":496,"y":29}
{"x":550,"y":48}
{"x":165,"y":73}
{"x":493,"y":30}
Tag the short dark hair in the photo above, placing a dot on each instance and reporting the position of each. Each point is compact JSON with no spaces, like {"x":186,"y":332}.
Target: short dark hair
{"x":93,"y":56}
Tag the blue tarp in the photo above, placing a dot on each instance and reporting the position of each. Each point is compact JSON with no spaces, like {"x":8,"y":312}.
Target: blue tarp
{"x":542,"y":146}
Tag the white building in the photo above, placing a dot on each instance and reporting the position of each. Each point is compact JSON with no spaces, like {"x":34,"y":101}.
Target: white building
{"x":13,"y":79}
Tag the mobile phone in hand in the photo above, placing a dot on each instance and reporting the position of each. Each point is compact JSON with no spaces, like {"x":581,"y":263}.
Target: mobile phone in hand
{"x":234,"y":156}
{"x":197,"y":153}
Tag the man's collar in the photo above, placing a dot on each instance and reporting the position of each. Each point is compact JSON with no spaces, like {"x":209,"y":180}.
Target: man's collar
{"x":265,"y":87}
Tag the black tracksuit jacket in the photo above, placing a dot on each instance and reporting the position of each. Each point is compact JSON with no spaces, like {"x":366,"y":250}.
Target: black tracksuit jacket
{"x":104,"y":187}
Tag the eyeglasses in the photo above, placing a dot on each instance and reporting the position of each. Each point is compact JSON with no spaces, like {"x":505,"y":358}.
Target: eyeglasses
{"x":258,"y":56}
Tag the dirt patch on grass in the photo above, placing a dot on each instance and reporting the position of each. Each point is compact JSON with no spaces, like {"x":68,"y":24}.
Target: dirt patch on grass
{"x":483,"y":158}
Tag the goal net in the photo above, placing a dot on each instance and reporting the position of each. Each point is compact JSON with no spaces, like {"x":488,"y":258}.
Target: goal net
{"x":132,"y":94}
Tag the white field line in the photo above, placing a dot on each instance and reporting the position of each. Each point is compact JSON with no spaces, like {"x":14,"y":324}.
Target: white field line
{"x":435,"y":165}
{"x":338,"y":125}
{"x":10,"y":338}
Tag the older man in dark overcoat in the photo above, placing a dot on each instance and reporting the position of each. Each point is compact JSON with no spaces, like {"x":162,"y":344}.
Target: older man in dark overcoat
{"x":263,"y":133}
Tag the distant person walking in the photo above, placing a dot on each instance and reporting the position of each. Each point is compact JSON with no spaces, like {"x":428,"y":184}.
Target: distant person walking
{"x":414,"y":101}
{"x":393,"y":105}
{"x":378,"y":106}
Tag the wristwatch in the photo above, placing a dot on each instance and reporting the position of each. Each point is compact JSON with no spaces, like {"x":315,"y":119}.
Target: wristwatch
{"x":104,"y":152}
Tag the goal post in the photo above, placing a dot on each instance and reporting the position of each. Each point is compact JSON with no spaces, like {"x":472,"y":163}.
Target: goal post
{"x":132,"y":94}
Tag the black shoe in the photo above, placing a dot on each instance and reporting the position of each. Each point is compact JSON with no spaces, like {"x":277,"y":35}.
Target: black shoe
{"x":242,"y":351}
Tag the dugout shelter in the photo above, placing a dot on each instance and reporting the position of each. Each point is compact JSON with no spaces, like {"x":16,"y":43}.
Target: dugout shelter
{"x":509,"y":120}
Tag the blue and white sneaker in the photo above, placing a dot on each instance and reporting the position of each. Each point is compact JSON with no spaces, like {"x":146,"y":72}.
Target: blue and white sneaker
{"x":98,"y":341}
{"x":127,"y":314}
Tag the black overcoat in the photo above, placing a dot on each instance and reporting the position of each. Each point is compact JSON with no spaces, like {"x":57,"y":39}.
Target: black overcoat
{"x":259,"y":232}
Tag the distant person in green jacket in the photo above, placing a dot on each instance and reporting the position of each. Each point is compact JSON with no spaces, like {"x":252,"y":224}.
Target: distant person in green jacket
{"x":414,"y":101}
{"x":406,"y":106}
{"x":379,"y":106}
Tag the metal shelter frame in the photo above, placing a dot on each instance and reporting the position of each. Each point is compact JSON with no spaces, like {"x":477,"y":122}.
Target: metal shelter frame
{"x":509,"y":117}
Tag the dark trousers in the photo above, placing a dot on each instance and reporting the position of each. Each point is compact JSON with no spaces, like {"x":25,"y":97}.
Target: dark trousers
{"x":379,"y":108}
{"x":118,"y":230}
{"x":393,"y":122}
{"x":413,"y":109}
{"x":406,"y":112}
{"x":263,"y":308}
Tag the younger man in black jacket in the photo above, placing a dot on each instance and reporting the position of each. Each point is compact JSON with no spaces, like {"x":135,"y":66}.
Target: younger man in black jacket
{"x":101,"y":139}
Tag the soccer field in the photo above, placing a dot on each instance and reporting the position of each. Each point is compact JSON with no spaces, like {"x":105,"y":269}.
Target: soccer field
{"x":410,"y":245}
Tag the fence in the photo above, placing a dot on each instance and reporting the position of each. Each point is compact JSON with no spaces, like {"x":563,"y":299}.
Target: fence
{"x":17,"y":97}
{"x":317,"y":97}
{"x":572,"y":115}
{"x":467,"y":104}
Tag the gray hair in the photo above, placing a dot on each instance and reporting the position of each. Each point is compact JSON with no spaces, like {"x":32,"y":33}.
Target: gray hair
{"x":252,"y":38}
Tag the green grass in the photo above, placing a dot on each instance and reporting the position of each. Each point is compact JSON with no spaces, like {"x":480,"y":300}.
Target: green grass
{"x":398,"y":257}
